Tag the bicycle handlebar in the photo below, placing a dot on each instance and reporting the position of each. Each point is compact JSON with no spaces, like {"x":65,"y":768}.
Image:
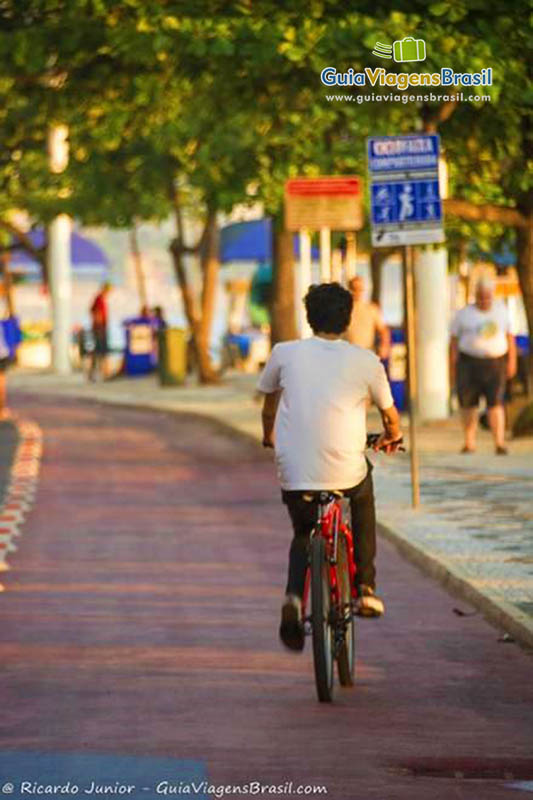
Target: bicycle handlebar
{"x":373,"y":438}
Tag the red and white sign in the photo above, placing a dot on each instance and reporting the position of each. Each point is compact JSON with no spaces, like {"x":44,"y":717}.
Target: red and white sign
{"x":329,"y":201}
{"x":326,"y":184}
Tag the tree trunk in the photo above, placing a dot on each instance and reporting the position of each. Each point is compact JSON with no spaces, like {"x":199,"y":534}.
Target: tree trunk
{"x":138,"y":264}
{"x":376,"y":262}
{"x":210,"y":267}
{"x":283,"y":316}
{"x":7,"y":281}
{"x":524,"y":246}
{"x":200,"y":327}
{"x":524,"y":263}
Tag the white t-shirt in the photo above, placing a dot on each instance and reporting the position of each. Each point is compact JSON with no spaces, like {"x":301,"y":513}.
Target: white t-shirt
{"x":320,"y":429}
{"x":482,"y":334}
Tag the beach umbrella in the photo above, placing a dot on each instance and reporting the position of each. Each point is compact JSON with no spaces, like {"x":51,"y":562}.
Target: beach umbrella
{"x":251,"y":241}
{"x":88,"y":259}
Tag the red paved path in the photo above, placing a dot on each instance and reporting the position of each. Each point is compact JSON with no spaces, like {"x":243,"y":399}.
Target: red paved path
{"x":140,"y":617}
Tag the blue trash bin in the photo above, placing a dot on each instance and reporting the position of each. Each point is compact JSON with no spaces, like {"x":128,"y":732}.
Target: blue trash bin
{"x":12,"y":335}
{"x":397,"y":368}
{"x":140,"y":351}
{"x":522,"y":343}
{"x":522,"y":352}
{"x":241,"y":341}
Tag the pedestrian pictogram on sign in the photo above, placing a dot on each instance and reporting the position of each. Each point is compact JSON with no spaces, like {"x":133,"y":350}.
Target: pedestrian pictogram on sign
{"x":402,"y":201}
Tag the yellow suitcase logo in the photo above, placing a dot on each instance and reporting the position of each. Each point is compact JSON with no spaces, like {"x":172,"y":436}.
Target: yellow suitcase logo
{"x":408,"y":49}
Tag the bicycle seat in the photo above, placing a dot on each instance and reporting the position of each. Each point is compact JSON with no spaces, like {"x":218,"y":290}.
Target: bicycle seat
{"x":323,"y":496}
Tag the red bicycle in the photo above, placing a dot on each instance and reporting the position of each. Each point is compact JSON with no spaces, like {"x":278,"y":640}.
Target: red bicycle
{"x":330,"y":585}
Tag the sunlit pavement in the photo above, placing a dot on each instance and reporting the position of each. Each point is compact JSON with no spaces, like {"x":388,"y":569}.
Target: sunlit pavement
{"x":140,"y":618}
{"x":474,"y":529}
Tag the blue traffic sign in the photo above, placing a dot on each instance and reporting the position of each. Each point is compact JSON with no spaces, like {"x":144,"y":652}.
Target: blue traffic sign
{"x":403,"y":153}
{"x":405,"y":202}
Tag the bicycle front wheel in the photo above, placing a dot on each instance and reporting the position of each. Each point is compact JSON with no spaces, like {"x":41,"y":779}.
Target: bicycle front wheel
{"x":323,"y":633}
{"x":346,"y":655}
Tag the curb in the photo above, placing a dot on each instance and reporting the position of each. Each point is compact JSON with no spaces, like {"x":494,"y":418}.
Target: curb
{"x":506,"y":619}
{"x":20,"y":491}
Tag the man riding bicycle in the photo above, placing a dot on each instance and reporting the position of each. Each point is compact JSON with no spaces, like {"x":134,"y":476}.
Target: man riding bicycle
{"x":314,"y":415}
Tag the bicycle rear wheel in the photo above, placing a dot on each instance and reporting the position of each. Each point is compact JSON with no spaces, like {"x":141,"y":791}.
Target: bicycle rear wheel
{"x":323,"y":634}
{"x":346,"y":654}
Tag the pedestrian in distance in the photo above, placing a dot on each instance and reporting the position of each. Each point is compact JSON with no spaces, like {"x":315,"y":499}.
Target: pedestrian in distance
{"x":314,"y":416}
{"x":482,"y":360}
{"x":159,"y":324}
{"x":367,"y":327}
{"x":99,"y":318}
{"x":158,"y":317}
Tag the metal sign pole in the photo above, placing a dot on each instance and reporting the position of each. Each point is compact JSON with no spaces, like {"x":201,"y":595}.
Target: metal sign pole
{"x":304,"y":280}
{"x":407,"y":254}
{"x":325,"y":255}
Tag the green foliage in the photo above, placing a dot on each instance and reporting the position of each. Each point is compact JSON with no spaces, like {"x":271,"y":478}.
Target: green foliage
{"x":225,"y":95}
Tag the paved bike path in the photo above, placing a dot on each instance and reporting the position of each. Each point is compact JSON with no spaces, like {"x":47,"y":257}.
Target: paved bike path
{"x":474,"y":530}
{"x":140,"y":619}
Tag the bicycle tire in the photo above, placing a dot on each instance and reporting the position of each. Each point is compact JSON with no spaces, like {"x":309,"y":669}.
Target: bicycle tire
{"x":323,"y":645}
{"x":346,"y":654}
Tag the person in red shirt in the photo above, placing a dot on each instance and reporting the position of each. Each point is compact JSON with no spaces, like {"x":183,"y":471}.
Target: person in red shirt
{"x":99,"y":329}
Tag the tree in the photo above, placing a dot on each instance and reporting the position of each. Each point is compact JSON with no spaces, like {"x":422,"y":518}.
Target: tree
{"x":490,"y":145}
{"x":136,"y":128}
{"x":171,"y":104}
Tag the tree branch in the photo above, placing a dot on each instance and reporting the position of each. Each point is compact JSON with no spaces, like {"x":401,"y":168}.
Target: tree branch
{"x":177,"y":245}
{"x":446,"y":110}
{"x":484,"y":213}
{"x":432,"y":117}
{"x":25,"y":242}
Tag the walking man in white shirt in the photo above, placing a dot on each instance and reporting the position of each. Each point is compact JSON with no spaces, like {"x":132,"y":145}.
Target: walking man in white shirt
{"x":482,"y":359}
{"x":314,"y":415}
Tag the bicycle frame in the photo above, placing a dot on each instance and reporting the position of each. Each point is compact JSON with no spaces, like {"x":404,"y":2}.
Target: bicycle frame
{"x":330,"y":525}
{"x":330,"y":588}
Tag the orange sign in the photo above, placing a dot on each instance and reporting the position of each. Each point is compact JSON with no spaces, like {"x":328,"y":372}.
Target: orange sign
{"x":330,"y":201}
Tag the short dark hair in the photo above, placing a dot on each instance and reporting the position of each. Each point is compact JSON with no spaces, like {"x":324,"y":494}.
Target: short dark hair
{"x":328,"y":307}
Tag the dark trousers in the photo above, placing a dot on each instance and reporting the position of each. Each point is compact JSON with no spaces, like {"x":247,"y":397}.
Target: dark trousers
{"x":303,"y":516}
